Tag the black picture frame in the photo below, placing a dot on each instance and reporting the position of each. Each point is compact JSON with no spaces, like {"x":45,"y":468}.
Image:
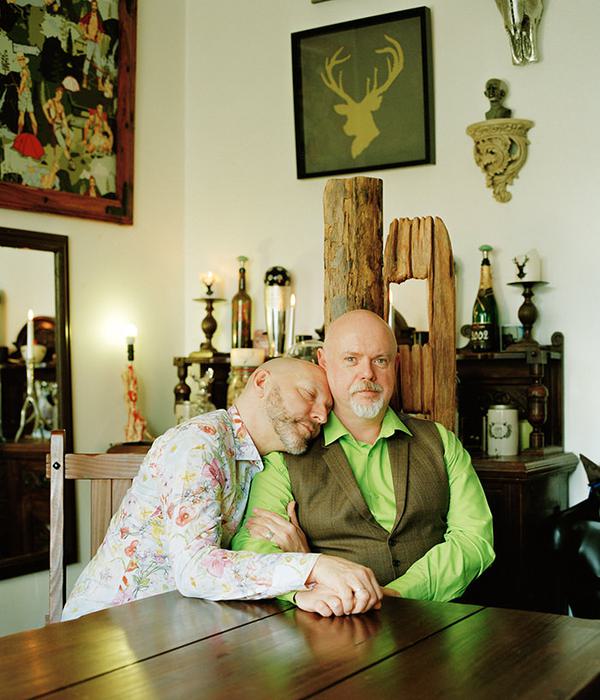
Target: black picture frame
{"x":387,"y":60}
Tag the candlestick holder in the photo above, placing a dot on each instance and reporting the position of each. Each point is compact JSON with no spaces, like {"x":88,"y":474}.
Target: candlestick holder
{"x":527,"y":314}
{"x":30,"y":411}
{"x":209,"y":324}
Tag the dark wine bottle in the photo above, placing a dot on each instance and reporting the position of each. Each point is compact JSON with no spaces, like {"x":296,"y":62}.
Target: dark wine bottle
{"x":241,"y":312}
{"x":484,"y":326}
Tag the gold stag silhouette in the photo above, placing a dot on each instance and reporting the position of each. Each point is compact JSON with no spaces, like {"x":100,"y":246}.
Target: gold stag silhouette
{"x":359,"y":115}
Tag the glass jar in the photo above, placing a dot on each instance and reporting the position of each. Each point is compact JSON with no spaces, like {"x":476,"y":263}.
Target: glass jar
{"x":306,"y":350}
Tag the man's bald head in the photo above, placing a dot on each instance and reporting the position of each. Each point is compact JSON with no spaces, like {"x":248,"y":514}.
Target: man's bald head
{"x":284,"y":404}
{"x":359,"y":321}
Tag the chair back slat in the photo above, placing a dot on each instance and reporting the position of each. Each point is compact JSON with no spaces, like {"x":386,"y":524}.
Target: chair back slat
{"x":110,"y":475}
{"x":57,"y":484}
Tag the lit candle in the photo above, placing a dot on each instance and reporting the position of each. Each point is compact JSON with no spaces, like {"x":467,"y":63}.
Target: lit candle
{"x":130,"y":336}
{"x":290,"y":330}
{"x":208,"y":279}
{"x":390,"y":309}
{"x":29,"y":352}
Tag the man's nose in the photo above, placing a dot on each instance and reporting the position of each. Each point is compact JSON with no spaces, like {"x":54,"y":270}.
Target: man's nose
{"x":319,"y":413}
{"x":366,"y":369}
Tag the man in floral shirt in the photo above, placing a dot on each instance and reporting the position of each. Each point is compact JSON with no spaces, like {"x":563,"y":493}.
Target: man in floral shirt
{"x":189,"y":496}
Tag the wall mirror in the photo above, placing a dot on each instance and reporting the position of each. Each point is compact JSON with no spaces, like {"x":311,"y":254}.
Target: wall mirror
{"x":408,"y":311}
{"x":33,"y":276}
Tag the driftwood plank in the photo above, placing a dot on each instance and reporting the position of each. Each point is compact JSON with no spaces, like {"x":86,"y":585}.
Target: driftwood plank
{"x":353,"y":252}
{"x":417,"y":378}
{"x":443,"y":329}
{"x":421,"y":247}
{"x":405,"y":379}
{"x":427,"y":374}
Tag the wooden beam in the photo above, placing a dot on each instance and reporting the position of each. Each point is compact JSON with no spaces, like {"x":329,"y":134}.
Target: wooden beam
{"x":353,"y":253}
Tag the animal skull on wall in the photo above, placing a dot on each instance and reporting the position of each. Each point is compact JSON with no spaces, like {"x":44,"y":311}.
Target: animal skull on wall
{"x":521,"y":19}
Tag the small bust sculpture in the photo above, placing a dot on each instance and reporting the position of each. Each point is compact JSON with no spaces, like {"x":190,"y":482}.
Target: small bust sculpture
{"x":495,"y":91}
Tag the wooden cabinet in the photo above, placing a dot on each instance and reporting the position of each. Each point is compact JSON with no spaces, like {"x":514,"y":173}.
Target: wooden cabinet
{"x":525,"y":491}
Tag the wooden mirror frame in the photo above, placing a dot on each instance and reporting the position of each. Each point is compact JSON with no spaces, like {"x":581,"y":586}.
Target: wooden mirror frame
{"x":58,"y":245}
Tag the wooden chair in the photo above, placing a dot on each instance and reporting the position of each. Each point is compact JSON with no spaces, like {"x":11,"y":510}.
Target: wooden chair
{"x":110,"y":475}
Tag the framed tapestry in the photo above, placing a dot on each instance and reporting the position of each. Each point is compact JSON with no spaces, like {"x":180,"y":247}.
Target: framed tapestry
{"x":363,"y":94}
{"x":67,"y":99}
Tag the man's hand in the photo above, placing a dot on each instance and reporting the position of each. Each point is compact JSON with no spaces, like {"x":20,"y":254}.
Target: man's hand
{"x":321,"y":600}
{"x":288,"y":536}
{"x":355,"y":585}
{"x":390,"y":592}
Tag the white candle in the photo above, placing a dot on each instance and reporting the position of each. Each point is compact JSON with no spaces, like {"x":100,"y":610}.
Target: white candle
{"x":528,"y":267}
{"x":208,"y":278}
{"x":390,"y":309}
{"x":29,"y":352}
{"x":290,"y":328}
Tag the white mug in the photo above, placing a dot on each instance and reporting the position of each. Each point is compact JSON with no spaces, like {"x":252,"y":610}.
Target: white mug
{"x":502,"y":430}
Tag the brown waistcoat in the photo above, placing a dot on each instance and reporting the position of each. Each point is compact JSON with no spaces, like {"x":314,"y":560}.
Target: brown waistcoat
{"x":333,"y":513}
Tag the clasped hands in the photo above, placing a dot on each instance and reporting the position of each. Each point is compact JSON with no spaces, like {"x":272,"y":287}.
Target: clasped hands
{"x":336,"y":586}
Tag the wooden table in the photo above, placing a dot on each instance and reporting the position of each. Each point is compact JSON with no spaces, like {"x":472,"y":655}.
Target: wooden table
{"x":168,"y":646}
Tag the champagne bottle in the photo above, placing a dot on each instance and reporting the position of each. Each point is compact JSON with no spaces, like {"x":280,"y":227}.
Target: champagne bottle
{"x":484,"y":326}
{"x":241,"y":312}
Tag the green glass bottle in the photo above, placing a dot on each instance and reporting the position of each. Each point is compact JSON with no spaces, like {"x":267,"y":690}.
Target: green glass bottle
{"x":241,"y":312}
{"x":484,"y":326}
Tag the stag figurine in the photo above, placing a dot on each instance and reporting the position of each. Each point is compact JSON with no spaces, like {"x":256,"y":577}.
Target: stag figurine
{"x":521,"y":19}
{"x":359,"y":114}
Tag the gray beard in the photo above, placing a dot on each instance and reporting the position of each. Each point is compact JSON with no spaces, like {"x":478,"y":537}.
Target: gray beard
{"x":284,"y":425}
{"x":367,"y":410}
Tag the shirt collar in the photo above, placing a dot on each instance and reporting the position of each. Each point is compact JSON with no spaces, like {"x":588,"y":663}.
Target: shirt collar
{"x":334,"y":428}
{"x":244,"y":447}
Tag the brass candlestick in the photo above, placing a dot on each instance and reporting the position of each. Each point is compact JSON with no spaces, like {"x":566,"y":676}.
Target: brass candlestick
{"x":528,"y":314}
{"x":209,"y":324}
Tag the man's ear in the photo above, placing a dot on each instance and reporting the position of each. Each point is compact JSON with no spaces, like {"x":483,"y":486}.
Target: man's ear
{"x":322,"y":362}
{"x":261,"y":380}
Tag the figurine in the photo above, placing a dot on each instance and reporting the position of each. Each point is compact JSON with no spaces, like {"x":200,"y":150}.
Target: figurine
{"x":496,"y":90}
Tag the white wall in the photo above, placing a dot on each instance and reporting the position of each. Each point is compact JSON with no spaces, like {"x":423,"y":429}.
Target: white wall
{"x":123,"y":273}
{"x":243,"y":195}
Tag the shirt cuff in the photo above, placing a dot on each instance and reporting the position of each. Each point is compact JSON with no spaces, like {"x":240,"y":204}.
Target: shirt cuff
{"x":291,"y":574}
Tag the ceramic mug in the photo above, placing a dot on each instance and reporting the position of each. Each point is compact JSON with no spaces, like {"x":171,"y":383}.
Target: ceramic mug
{"x":502,"y":430}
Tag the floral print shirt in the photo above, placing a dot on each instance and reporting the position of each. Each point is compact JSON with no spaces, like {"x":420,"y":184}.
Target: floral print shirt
{"x":183,"y":507}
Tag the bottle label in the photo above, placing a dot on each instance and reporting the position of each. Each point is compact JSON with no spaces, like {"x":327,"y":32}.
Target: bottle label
{"x":482,"y":336}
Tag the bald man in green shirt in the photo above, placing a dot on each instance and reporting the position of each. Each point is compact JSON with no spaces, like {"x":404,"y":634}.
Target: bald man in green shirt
{"x":396,"y":494}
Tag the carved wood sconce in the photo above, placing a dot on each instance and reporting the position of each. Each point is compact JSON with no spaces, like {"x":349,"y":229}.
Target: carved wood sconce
{"x":500,"y":151}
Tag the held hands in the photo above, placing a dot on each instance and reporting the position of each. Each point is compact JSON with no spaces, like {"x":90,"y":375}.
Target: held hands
{"x":355,"y":587}
{"x":288,"y":536}
{"x":338,"y":586}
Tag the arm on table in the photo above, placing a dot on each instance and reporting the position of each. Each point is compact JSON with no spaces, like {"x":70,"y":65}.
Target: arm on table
{"x":447,"y":569}
{"x":271,"y":490}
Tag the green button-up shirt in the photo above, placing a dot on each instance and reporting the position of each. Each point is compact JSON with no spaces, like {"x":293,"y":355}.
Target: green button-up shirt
{"x":445,"y":571}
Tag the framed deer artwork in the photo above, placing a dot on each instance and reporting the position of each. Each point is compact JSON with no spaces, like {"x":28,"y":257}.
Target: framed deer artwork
{"x":363,"y":94}
{"x":67,"y":89}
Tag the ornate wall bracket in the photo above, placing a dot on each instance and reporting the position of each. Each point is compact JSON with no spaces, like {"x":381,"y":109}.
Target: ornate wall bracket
{"x":500,"y":151}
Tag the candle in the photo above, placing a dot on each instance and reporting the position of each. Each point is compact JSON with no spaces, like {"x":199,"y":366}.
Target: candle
{"x":290,"y":328}
{"x":528,"y":267}
{"x":208,"y":278}
{"x":29,"y":352}
{"x":390,"y":309}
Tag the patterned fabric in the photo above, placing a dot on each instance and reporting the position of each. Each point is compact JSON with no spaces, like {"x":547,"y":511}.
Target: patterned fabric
{"x":185,"y":503}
